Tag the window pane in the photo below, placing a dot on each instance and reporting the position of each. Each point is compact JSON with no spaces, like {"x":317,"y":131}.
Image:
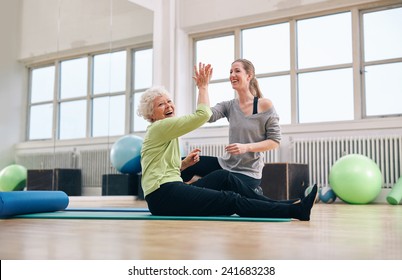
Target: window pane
{"x":383,"y":89}
{"x":326,"y":96}
{"x":277,"y":89}
{"x":324,"y":41}
{"x":219,"y":52}
{"x":41,"y":122}
{"x":109,"y":72}
{"x":73,"y":119}
{"x":108,"y":116}
{"x":268,"y":48}
{"x":219,"y":92}
{"x":73,"y":78}
{"x":42,"y":84}
{"x":383,"y":34}
{"x":143,"y":69}
{"x":139,"y":123}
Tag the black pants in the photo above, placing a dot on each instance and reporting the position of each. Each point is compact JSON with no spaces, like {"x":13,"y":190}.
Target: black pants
{"x":208,"y":164}
{"x":219,"y":193}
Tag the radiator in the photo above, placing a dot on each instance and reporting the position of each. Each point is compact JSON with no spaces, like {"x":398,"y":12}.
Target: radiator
{"x":321,"y":153}
{"x":93,"y":164}
{"x":218,"y":150}
{"x":47,"y":160}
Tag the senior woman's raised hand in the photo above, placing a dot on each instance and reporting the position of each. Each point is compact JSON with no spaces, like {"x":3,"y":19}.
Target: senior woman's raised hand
{"x":202,"y":75}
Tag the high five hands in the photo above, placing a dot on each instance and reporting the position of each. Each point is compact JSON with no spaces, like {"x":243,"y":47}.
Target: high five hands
{"x":202,"y":75}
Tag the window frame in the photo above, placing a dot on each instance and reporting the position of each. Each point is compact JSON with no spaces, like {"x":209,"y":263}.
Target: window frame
{"x":30,"y":104}
{"x":131,"y":106}
{"x":93,"y":96}
{"x":89,"y":96}
{"x":364,"y":64}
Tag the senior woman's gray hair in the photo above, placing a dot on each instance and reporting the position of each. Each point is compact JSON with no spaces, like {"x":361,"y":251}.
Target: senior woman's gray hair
{"x":146,"y":107}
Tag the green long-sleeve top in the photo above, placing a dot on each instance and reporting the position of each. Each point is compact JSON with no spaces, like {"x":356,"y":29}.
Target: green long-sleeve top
{"x":160,"y":153}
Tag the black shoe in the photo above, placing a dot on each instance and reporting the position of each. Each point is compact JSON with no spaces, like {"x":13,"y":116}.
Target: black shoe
{"x":307,"y":203}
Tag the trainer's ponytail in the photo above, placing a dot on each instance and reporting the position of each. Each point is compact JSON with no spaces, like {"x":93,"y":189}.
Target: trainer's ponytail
{"x":255,"y":88}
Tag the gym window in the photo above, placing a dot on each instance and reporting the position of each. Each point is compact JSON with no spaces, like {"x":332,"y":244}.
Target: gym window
{"x":88,"y":96}
{"x":311,"y":68}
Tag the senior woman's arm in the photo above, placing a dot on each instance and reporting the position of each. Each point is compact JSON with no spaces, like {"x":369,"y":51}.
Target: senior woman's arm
{"x":171,"y":128}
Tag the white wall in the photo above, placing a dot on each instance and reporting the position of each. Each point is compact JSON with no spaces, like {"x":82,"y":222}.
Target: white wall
{"x":12,"y":88}
{"x":50,"y":26}
{"x":200,"y":14}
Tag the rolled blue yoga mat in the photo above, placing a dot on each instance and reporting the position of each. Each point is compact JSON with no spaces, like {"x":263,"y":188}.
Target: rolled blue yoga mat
{"x":27,"y":202}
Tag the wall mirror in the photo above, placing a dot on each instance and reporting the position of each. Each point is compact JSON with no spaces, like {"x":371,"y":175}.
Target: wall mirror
{"x":89,"y":61}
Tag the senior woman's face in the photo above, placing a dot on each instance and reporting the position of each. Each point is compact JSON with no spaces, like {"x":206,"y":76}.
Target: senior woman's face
{"x":163,"y":108}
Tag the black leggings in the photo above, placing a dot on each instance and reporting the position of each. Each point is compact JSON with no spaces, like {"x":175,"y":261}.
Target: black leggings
{"x":208,"y":164}
{"x":219,"y":193}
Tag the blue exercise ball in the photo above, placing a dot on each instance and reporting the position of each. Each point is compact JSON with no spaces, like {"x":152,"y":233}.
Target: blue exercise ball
{"x":125,"y":154}
{"x":326,"y":195}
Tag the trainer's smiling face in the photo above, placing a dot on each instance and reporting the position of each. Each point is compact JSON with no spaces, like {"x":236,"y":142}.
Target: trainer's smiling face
{"x":239,"y":77}
{"x":163,"y":108}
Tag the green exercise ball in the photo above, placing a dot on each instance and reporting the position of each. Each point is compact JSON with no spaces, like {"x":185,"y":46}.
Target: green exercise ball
{"x":356,"y":179}
{"x":13,"y":178}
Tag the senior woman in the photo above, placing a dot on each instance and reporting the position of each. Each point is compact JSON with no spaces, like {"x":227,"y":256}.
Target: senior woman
{"x":222,"y":193}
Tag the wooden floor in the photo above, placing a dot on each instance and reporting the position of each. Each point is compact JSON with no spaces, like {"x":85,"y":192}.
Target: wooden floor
{"x":336,"y":232}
